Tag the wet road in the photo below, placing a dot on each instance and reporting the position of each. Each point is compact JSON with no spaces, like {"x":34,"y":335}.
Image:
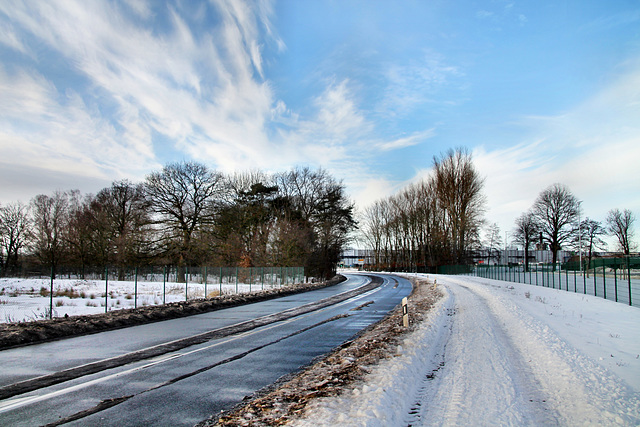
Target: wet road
{"x":182,"y":371}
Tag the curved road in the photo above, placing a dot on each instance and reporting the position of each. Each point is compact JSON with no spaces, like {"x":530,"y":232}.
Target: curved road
{"x":181,"y":371}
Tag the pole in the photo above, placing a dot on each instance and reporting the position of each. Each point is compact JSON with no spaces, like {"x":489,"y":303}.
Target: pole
{"x":164,"y":285}
{"x":604,"y":281}
{"x":405,"y":313}
{"x":629,"y":276}
{"x":51,"y":294}
{"x":615,"y":277}
{"x":106,"y":288}
{"x":135,"y":289}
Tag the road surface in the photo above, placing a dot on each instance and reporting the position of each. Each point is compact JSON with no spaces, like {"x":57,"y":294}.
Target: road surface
{"x":181,"y":371}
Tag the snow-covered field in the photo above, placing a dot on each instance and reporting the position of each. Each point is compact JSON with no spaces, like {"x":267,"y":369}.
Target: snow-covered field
{"x":503,"y":353}
{"x":29,"y":299}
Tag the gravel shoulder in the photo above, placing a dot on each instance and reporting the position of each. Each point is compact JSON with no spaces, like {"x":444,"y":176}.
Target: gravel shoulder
{"x":25,"y":333}
{"x":334,"y":373}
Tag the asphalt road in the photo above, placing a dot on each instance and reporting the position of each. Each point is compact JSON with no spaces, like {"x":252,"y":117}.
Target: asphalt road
{"x":182,"y":371}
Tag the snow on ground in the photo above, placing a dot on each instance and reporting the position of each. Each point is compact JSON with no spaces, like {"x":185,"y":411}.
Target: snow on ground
{"x":503,"y":353}
{"x":29,"y":299}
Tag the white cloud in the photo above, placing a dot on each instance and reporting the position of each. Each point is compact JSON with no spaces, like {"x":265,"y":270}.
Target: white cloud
{"x":408,"y":141}
{"x":593,"y":149}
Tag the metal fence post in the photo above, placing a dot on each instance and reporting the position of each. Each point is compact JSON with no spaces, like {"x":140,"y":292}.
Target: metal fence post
{"x":135,"y":288}
{"x":186,"y":283}
{"x":629,"y":276}
{"x":164,"y":285}
{"x":220,"y":292}
{"x":604,"y":281}
{"x":51,"y":294}
{"x":205,"y":282}
{"x":106,"y":288}
{"x":615,"y":277}
{"x":236,"y":280}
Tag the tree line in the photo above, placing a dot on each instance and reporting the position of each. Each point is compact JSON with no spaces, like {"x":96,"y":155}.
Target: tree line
{"x":554,"y":222}
{"x":440,"y":221}
{"x":185,"y":215}
{"x":434,"y":222}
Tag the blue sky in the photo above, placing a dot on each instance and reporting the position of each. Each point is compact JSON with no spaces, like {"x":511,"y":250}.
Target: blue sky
{"x":539,"y":91}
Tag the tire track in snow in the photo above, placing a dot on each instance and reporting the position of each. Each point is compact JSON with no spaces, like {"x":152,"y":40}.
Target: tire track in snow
{"x":583,"y":392}
{"x":484,"y":380}
{"x":425,"y":391}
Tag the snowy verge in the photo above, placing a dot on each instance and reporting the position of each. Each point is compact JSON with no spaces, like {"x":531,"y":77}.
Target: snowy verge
{"x":382,"y":399}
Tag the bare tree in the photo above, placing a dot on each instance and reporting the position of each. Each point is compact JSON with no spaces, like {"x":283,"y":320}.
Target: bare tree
{"x":556,"y":211}
{"x":183,"y":197}
{"x":124,"y":215}
{"x":620,"y":225}
{"x":525,"y":233}
{"x":14,"y":220}
{"x":79,"y":232}
{"x":590,"y":232}
{"x":494,"y":241}
{"x":459,"y":191}
{"x":316,"y":202}
{"x":49,"y":216}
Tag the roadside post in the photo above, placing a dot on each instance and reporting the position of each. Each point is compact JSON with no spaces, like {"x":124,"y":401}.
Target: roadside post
{"x":405,"y":313}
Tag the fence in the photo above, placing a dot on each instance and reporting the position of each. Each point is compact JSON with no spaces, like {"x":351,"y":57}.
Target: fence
{"x":616,"y":279}
{"x":33,"y":294}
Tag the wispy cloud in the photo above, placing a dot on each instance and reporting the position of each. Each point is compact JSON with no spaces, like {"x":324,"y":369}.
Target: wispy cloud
{"x":407,"y":141}
{"x":415,"y":84}
{"x":198,"y":92}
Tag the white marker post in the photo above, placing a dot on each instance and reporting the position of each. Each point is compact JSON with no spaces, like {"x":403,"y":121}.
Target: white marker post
{"x":405,"y":313}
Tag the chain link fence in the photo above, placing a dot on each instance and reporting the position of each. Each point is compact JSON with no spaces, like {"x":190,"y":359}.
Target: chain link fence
{"x":40,"y":294}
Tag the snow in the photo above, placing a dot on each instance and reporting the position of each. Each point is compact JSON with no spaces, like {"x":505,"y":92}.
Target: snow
{"x":501,"y":353}
{"x":28,"y":299}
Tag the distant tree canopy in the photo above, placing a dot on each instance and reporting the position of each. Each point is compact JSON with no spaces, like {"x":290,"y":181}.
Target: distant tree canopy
{"x":431,"y":223}
{"x":187,"y":215}
{"x":556,"y":212}
{"x":620,"y":225}
{"x":554,"y":222}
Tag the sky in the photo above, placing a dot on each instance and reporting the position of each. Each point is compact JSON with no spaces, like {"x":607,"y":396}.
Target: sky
{"x":540,"y":92}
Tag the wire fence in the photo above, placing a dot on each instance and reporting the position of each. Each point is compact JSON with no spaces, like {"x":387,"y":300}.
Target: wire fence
{"x":616,"y":279}
{"x":36,"y":294}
